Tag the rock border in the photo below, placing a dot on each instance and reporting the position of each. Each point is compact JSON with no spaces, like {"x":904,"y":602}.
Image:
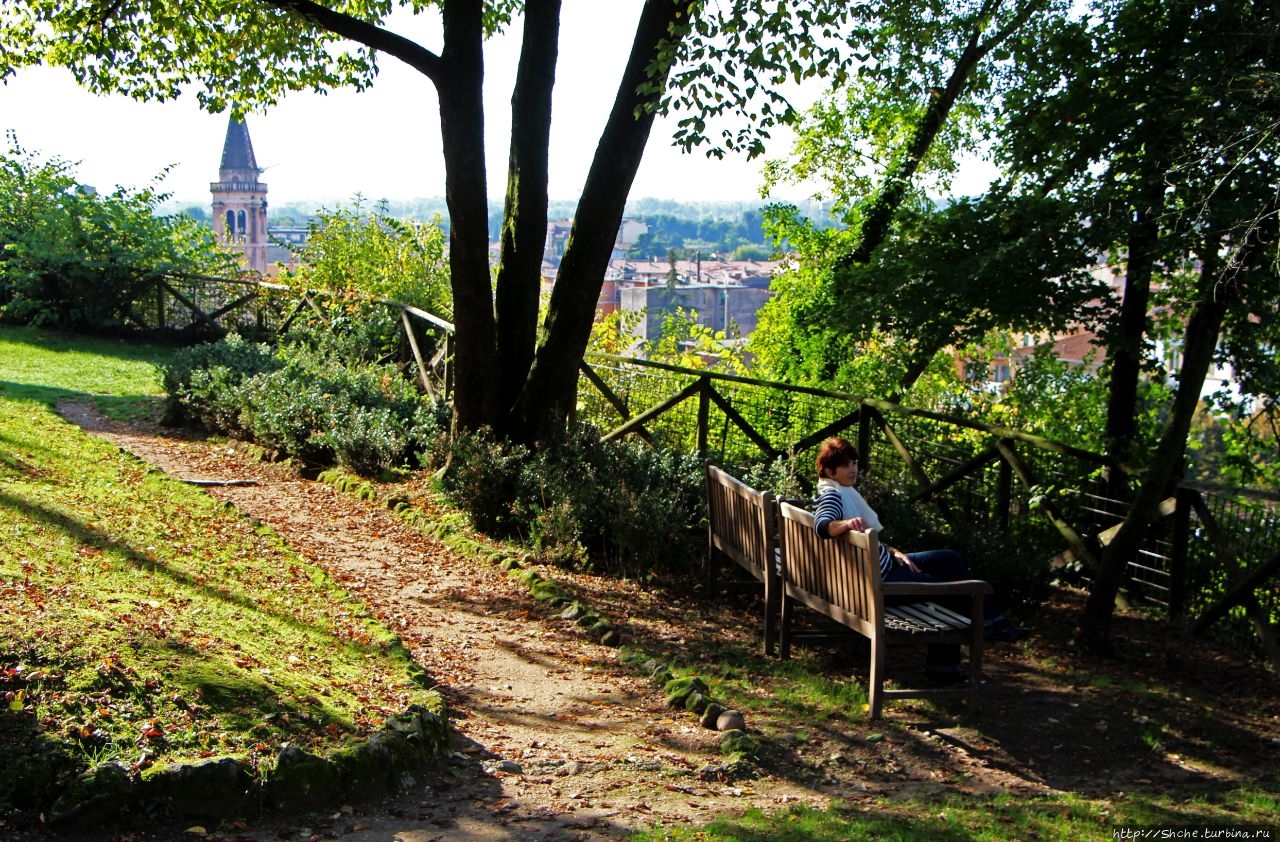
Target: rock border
{"x":227,"y":787}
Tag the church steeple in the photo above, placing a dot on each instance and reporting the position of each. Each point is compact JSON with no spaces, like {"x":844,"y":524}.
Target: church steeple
{"x":237,"y":152}
{"x":240,"y":200}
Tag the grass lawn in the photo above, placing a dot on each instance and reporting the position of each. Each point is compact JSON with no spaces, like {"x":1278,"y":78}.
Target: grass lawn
{"x":143,"y":623}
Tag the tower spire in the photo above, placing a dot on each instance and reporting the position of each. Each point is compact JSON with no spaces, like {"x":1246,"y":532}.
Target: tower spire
{"x":240,"y":200}
{"x":237,"y":153}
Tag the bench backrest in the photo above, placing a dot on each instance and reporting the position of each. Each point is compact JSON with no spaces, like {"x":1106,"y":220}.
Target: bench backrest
{"x":741,"y":522}
{"x":838,"y":577}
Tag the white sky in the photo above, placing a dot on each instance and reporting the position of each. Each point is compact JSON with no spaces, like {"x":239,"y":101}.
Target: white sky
{"x":382,"y":143}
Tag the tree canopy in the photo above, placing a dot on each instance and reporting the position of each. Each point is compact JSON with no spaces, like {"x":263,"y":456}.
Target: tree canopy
{"x":1135,"y":133}
{"x":720,"y":68}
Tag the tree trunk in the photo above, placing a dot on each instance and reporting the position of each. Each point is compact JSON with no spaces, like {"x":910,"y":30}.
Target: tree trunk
{"x":1217,"y":291}
{"x":550,"y":392}
{"x":459,"y":83}
{"x":1125,"y":348}
{"x":1199,"y":342}
{"x":524,"y":225}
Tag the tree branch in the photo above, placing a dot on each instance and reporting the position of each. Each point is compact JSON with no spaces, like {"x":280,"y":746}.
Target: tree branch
{"x":363,"y":32}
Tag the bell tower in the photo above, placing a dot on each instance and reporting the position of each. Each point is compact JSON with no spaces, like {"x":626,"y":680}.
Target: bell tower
{"x":240,"y":200}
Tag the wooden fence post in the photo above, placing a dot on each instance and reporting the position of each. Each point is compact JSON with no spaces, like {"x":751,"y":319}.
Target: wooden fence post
{"x":1178,"y":560}
{"x":866,"y":418}
{"x":1004,"y":493}
{"x":704,"y":412}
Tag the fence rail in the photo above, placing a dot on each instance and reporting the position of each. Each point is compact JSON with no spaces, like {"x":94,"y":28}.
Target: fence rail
{"x":195,"y":307}
{"x":1215,"y":551}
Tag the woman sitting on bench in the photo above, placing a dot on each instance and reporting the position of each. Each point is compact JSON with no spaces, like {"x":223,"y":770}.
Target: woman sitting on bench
{"x":839,"y":508}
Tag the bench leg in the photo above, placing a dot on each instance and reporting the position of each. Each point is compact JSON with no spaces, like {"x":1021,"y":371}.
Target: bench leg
{"x":772,"y":588}
{"x":784,"y":632}
{"x":875,"y":690}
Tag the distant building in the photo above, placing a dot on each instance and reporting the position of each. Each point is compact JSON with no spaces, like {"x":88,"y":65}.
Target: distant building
{"x":725,"y":295}
{"x":629,"y":230}
{"x":240,"y":200}
{"x":1078,"y":346}
{"x":240,"y":208}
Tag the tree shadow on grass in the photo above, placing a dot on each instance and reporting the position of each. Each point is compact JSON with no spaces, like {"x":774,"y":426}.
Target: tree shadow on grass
{"x":39,"y":764}
{"x":1173,"y":714}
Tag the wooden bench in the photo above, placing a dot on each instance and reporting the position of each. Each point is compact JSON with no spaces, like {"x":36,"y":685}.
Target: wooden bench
{"x":840,"y":578}
{"x":742,"y":527}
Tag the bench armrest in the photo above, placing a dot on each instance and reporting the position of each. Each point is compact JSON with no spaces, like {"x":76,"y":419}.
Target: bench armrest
{"x":936,"y":589}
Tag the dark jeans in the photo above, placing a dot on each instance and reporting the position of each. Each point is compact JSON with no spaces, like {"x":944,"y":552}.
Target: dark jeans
{"x":938,"y":566}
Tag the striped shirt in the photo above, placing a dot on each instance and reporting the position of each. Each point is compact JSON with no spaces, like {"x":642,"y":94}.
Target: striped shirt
{"x":830,"y":507}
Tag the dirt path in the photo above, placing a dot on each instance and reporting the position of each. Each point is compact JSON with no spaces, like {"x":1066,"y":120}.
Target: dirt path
{"x":554,"y":740}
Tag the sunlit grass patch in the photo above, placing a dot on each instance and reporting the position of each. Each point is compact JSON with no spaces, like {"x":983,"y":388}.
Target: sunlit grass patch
{"x":985,"y":819}
{"x":143,"y":622}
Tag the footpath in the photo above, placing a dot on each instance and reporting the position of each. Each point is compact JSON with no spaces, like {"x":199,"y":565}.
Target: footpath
{"x":554,"y":738}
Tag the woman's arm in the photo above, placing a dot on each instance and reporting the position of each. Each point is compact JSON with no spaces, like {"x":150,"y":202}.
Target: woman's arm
{"x":828,"y":516}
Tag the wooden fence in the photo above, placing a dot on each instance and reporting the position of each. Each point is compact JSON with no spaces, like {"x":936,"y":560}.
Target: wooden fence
{"x":192,"y":308}
{"x":1215,"y":552}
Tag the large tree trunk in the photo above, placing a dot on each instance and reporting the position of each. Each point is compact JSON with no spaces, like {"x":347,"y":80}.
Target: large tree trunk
{"x":1217,"y":291}
{"x":524,"y":225}
{"x":1199,"y":343}
{"x":1125,"y":349}
{"x":459,"y":82}
{"x":550,"y":392}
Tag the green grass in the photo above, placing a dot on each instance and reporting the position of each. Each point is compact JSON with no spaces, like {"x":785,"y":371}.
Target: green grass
{"x":120,"y":377}
{"x":145,"y":623}
{"x":993,"y":818}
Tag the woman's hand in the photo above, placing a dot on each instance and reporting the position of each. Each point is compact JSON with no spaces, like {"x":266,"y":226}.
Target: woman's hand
{"x":855,"y":524}
{"x":902,"y":559}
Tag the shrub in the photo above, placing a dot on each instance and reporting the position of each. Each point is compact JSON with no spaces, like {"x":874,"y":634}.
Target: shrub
{"x":303,"y":402}
{"x":482,"y":480}
{"x":75,"y":259}
{"x":622,"y":508}
{"x":202,"y":382}
{"x":371,"y":440}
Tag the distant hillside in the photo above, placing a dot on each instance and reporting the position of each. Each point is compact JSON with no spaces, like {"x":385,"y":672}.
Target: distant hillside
{"x":683,"y":229}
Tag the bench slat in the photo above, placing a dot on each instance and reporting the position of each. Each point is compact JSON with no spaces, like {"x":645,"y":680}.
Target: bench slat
{"x":840,"y":578}
{"x":741,"y":526}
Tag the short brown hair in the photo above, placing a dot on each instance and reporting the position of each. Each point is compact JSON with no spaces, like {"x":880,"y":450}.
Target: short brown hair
{"x":834,"y":453}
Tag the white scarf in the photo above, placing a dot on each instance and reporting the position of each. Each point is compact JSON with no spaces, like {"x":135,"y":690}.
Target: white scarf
{"x":853,"y":503}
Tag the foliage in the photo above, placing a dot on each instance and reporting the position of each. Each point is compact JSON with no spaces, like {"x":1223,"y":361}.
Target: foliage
{"x":614,"y":332}
{"x":702,"y":61}
{"x":618,"y":508}
{"x":688,"y":236}
{"x":685,"y":342}
{"x":1169,"y":114}
{"x":143,"y":622}
{"x":958,"y":272}
{"x":300,"y":402}
{"x":1240,"y":447}
{"x":78,"y":260}
{"x":200,"y":381}
{"x":353,"y":251}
